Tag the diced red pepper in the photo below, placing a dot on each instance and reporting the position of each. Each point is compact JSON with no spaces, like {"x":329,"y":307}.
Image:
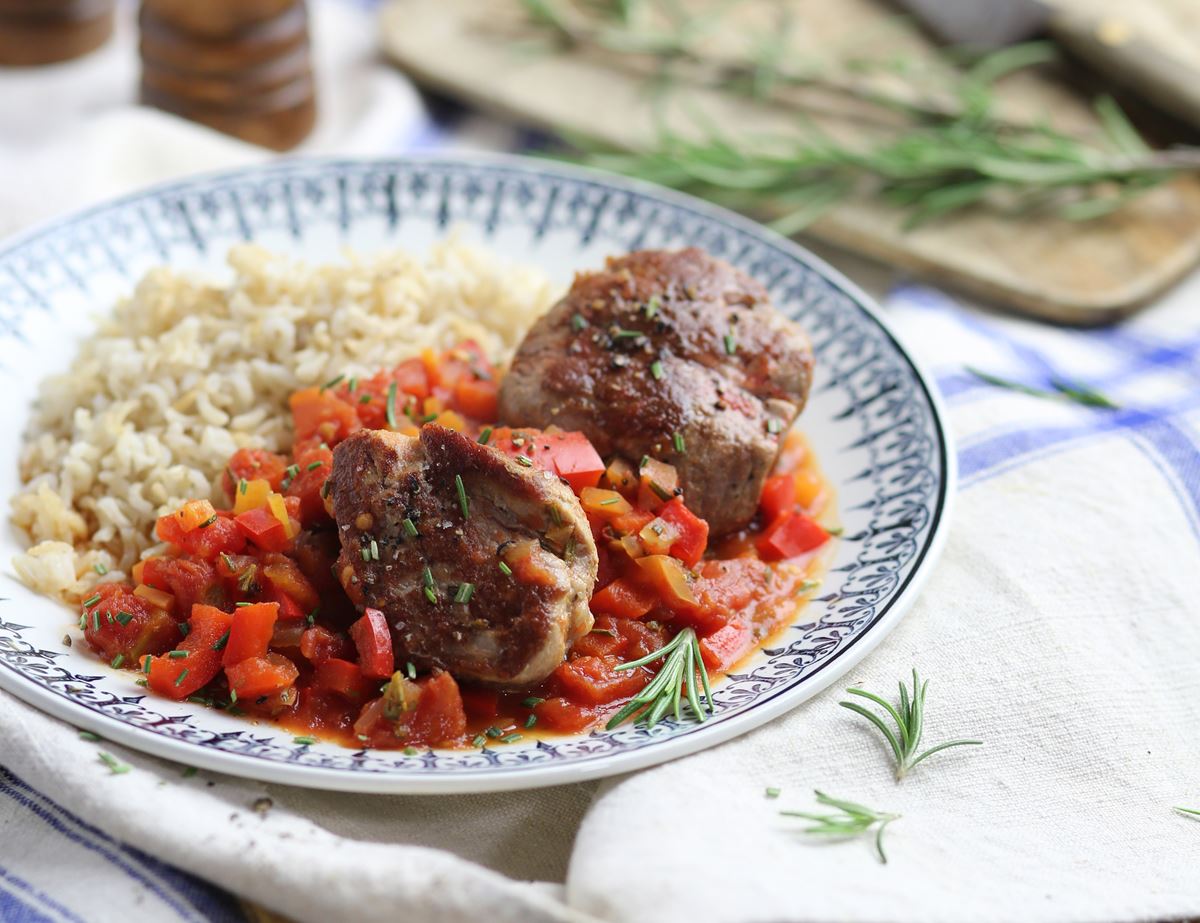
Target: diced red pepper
{"x":263,"y":528}
{"x":289,"y":609}
{"x":319,"y":643}
{"x":285,"y":575}
{"x":178,"y":677}
{"x":259,"y":676}
{"x":120,"y":624}
{"x":778,"y":496}
{"x":625,"y":598}
{"x":595,"y":680}
{"x":568,"y":455}
{"x":726,"y":646}
{"x":374,"y":642}
{"x":476,"y":398}
{"x":189,"y":580}
{"x":790,"y":535}
{"x":693,"y":532}
{"x":344,"y":678}
{"x":559,"y":714}
{"x":250,"y":634}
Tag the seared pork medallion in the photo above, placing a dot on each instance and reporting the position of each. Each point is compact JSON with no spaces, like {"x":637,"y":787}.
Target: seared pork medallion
{"x":677,"y":356}
{"x":480,"y":566}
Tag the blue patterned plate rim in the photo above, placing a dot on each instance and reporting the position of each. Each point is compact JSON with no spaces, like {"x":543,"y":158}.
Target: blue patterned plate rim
{"x":254,"y":754}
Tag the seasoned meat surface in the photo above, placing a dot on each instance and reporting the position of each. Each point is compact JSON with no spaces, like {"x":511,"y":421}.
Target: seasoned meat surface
{"x":515,"y":627}
{"x":672,"y":354}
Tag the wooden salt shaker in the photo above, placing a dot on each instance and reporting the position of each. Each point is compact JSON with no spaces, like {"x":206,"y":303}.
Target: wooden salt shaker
{"x":46,"y":31}
{"x":243,"y":67}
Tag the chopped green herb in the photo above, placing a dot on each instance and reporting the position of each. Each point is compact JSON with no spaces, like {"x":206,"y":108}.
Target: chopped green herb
{"x":305,"y":741}
{"x":494,"y":732}
{"x":411,"y":669}
{"x":410,"y":528}
{"x":555,"y":515}
{"x":644,"y":462}
{"x":243,"y":604}
{"x":531,"y":721}
{"x":146,"y":664}
{"x":96,"y":620}
{"x":291,"y":470}
{"x":115,"y":766}
{"x":352,"y":385}
{"x":411,"y":751}
{"x":177,"y":655}
{"x":510,"y":738}
{"x":680,"y":445}
{"x":652,"y":306}
{"x":533,"y":701}
{"x":88,"y":603}
{"x":578,"y":323}
{"x":522,"y":460}
{"x":391,"y":406}
{"x":485,"y":435}
{"x":772,"y":793}
{"x":366,"y":553}
{"x":427,"y":576}
{"x":189,"y":771}
{"x":208,"y":522}
{"x":179,"y":680}
{"x":463,"y":503}
{"x":221,"y":641}
{"x":100,"y":568}
{"x":232,"y":696}
{"x":626,"y":334}
{"x":656,"y":370}
{"x":505,"y":569}
{"x":773,"y":426}
{"x":89,"y":736}
{"x":116,"y":662}
{"x":431,"y":594}
{"x":730,"y":344}
{"x":313,"y":466}
{"x":365,"y":399}
{"x":464,"y":593}
{"x":242,"y":485}
{"x":140,"y":682}
{"x":836,"y":531}
{"x":479,"y":741}
{"x":124,"y":617}
{"x":333,"y":382}
{"x":610,"y":501}
{"x":604,"y":631}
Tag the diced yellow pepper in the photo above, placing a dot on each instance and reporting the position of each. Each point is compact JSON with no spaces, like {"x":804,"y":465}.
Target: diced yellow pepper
{"x":155,"y":597}
{"x":279,"y":511}
{"x":254,"y":496}
{"x":606,"y":503}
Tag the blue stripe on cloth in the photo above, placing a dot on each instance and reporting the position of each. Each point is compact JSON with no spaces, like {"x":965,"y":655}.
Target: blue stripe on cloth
{"x":15,"y":909}
{"x":20,"y":902}
{"x":210,"y":904}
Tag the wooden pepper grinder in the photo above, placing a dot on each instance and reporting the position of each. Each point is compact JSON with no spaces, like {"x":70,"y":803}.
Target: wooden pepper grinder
{"x":45,"y":31}
{"x":243,"y":67}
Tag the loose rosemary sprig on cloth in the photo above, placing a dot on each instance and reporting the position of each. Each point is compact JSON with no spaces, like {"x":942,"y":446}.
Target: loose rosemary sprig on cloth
{"x":1193,"y":812}
{"x":910,"y":724}
{"x":1063,"y":390}
{"x":665,"y":692}
{"x":851,"y":820}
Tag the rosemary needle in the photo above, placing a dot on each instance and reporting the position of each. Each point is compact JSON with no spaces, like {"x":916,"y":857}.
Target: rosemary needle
{"x":910,"y":724}
{"x":666,"y":691}
{"x":851,"y":820}
{"x":1063,"y":390}
{"x":1193,"y":812}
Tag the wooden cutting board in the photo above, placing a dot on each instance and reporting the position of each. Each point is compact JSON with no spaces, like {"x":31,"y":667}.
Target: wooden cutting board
{"x":1070,"y":272}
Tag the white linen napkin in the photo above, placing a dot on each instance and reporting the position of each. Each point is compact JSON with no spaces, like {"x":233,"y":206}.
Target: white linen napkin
{"x":1062,"y":627}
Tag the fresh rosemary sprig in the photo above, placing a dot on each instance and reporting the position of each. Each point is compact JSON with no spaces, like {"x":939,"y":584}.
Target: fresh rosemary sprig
{"x":910,"y":724}
{"x":665,"y":692}
{"x":851,"y":821}
{"x":1063,"y":390}
{"x":1193,"y":812}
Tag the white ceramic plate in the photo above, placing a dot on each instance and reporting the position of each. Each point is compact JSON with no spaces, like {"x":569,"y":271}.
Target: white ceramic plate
{"x":873,"y":420}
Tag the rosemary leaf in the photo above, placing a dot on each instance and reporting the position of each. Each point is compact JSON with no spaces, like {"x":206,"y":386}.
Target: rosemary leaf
{"x":851,"y":820}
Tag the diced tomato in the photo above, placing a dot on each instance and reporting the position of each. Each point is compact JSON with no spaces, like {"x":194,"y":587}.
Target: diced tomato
{"x":215,"y":536}
{"x":318,"y":412}
{"x":284,"y":574}
{"x":790,"y":535}
{"x":313,"y":467}
{"x":319,"y":643}
{"x":730,"y":586}
{"x":250,"y":634}
{"x":595,"y":680}
{"x":726,"y":646}
{"x":480,"y":703}
{"x":178,"y":677}
{"x":189,"y":580}
{"x":778,"y":496}
{"x":344,"y":678}
{"x":602,"y":639}
{"x":120,"y":624}
{"x":568,"y":455}
{"x":558,"y":714}
{"x":641,"y":638}
{"x":439,"y":717}
{"x":259,"y":676}
{"x":289,"y":609}
{"x":250,"y":465}
{"x":374,"y":642}
{"x":477,"y":398}
{"x":263,"y":528}
{"x":625,"y":598}
{"x":693,"y":532}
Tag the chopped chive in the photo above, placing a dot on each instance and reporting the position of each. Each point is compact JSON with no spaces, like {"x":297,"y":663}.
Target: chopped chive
{"x":305,"y":740}
{"x":185,"y":629}
{"x":189,"y":771}
{"x":485,"y":435}
{"x":311,"y":618}
{"x":533,"y":701}
{"x":604,"y":631}
{"x":115,"y":766}
{"x":243,"y":604}
{"x":365,"y":399}
{"x":391,"y":406}
{"x":835,"y":531}
{"x":652,"y":306}
{"x":610,"y":501}
{"x":730,"y":344}
{"x":522,"y":460}
{"x":428,"y":418}
{"x":773,"y":426}
{"x":208,"y":522}
{"x":182,"y":674}
{"x":411,"y":669}
{"x":221,"y":641}
{"x":505,"y":569}
{"x":680,"y":445}
{"x":555,"y":515}
{"x":374,"y":550}
{"x":100,"y":568}
{"x":242,"y":485}
{"x":806,"y":585}
{"x":88,"y":603}
{"x":578,"y":323}
{"x":656,"y":369}
{"x":626,"y":334}
{"x":366,"y":553}
{"x":83,"y":621}
{"x":531,"y":721}
{"x":89,"y":736}
{"x":644,"y":462}
{"x":146,"y":664}
{"x":116,"y":662}
{"x":325,"y":488}
{"x":772,"y":792}
{"x":410,"y":528}
{"x":494,"y":732}
{"x":662,"y":492}
{"x":510,"y":738}
{"x":96,"y":620}
{"x":352,"y":385}
{"x":177,"y":655}
{"x":464,"y":593}
{"x":313,"y":466}
{"x":427,"y":576}
{"x":463,"y":503}
{"x":411,"y":751}
{"x":431,"y":594}
{"x":479,"y":741}
{"x":291,"y":470}
{"x":232,"y":696}
{"x":333,"y":382}
{"x":124,"y":617}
